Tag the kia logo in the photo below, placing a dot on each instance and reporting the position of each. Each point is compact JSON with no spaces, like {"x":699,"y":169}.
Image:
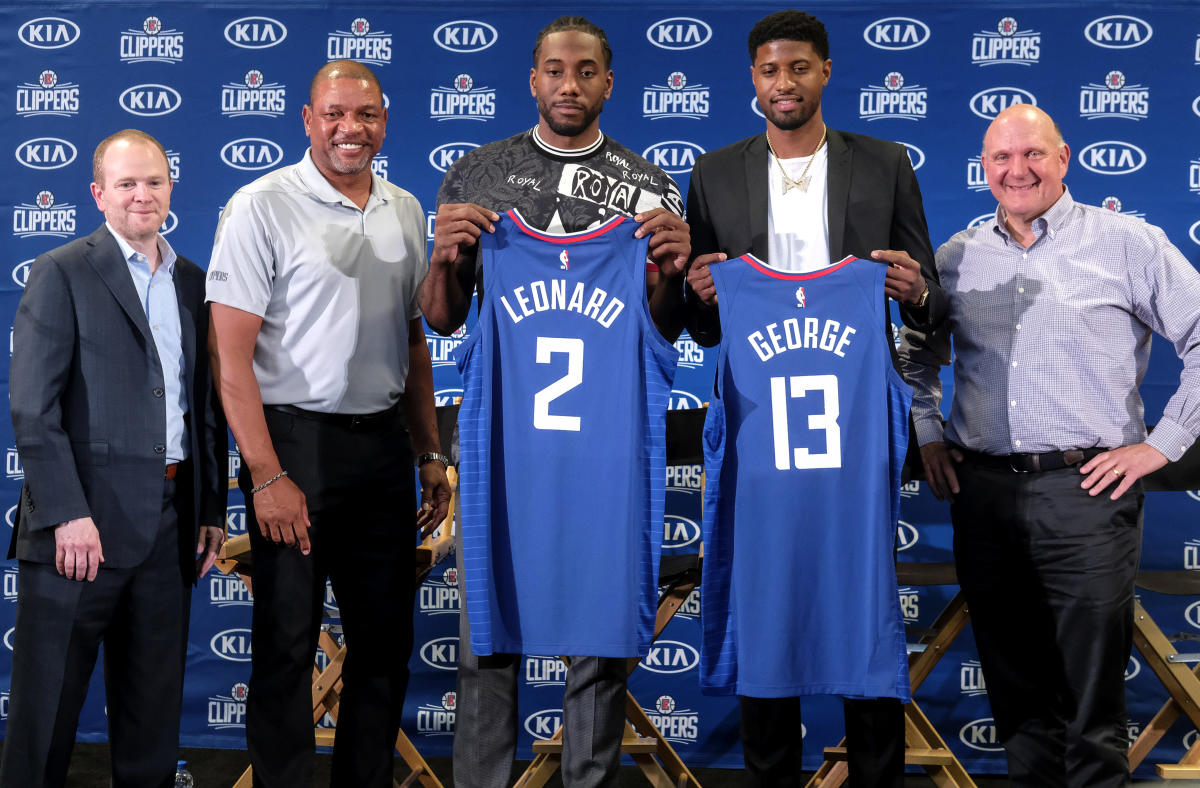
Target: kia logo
{"x":20,"y":275}
{"x":543,"y":724}
{"x":441,"y":653}
{"x":170,"y":224}
{"x":987,"y":104}
{"x":1192,"y":614}
{"x":232,"y":644}
{"x":906,"y":535}
{"x":46,"y":153}
{"x":674,"y":156}
{"x":255,"y":32}
{"x":679,"y":531}
{"x":1112,"y":157}
{"x":1194,"y":234}
{"x":679,"y":32}
{"x":252,"y":153}
{"x":670,"y":656}
{"x":915,"y":155}
{"x":1118,"y":32}
{"x":896,"y":32}
{"x":150,"y":100}
{"x":48,"y":32}
{"x":441,"y":157}
{"x":980,"y":735}
{"x":684,"y":400}
{"x":465,"y":35}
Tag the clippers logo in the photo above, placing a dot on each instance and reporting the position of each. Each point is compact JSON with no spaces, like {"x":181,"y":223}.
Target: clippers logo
{"x":1191,"y":551}
{"x":676,"y":157}
{"x":916,"y":156}
{"x":893,"y":100}
{"x":437,"y":719}
{"x":173,"y":162}
{"x":359,"y":43}
{"x":801,"y":299}
{"x":690,"y":609}
{"x":152,"y":44}
{"x":683,"y":400}
{"x":679,"y":531}
{"x":1192,"y":614}
{"x":1133,"y":668}
{"x":908,"y":489}
{"x":1194,"y":176}
{"x":444,"y":397}
{"x":1118,"y":32}
{"x":232,"y":644}
{"x":672,"y":656}
{"x":544,"y":724}
{"x":228,"y":591}
{"x":150,"y":100}
{"x":441,"y":653}
{"x":441,"y":157}
{"x":1112,"y":157}
{"x":980,"y":735}
{"x":545,"y":671}
{"x":462,"y":101}
{"x":47,"y":96}
{"x":1006,"y":45}
{"x":254,"y":96}
{"x":440,"y":595}
{"x":564,"y":261}
{"x":906,"y":534}
{"x":976,"y":179}
{"x":255,"y":32}
{"x":465,"y":35}
{"x":252,"y":153}
{"x":229,"y":711}
{"x":20,"y":272}
{"x":10,"y":584}
{"x":680,"y":726}
{"x":1114,"y":99}
{"x":1113,"y":204}
{"x":1133,"y":730}
{"x":234,"y":465}
{"x":987,"y":104}
{"x":970,"y":679}
{"x":679,"y":32}
{"x":441,"y":349}
{"x":676,"y":99}
{"x":13,"y":469}
{"x":896,"y":32}
{"x":43,"y":218}
{"x":684,"y":478}
{"x":235,"y":519}
{"x":379,"y":166}
{"x":691,"y":354}
{"x":910,"y":604}
{"x":48,"y":32}
{"x":46,"y":153}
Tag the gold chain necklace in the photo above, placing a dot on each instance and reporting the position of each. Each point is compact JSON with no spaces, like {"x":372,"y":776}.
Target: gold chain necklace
{"x":800,"y":183}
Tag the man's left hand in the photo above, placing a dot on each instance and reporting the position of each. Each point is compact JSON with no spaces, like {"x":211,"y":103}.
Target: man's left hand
{"x":209,"y":544}
{"x":1124,"y":465}
{"x":435,"y":497}
{"x":670,"y":242}
{"x":903,"y":280}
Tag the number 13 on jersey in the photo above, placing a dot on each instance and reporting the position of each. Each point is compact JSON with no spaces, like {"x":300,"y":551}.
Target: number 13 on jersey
{"x":796,"y":386}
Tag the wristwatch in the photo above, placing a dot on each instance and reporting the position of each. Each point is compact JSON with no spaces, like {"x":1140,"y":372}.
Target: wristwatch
{"x":431,"y":456}
{"x":924,"y":298}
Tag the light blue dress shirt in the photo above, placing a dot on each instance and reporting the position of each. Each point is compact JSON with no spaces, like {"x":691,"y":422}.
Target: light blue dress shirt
{"x":156,"y":293}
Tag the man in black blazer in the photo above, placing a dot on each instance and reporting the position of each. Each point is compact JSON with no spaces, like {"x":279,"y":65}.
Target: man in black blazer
{"x":113,"y":412}
{"x":820,"y":195}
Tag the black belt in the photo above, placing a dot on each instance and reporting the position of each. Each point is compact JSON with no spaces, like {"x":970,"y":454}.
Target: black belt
{"x":351,"y":421}
{"x":1031,"y":463}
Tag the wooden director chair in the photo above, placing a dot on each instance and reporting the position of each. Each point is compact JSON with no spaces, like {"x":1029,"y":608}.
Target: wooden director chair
{"x":924,"y":746}
{"x":327,"y":683}
{"x":678,"y":577}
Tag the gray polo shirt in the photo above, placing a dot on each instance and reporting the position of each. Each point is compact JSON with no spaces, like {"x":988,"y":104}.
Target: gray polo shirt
{"x":334,"y":285}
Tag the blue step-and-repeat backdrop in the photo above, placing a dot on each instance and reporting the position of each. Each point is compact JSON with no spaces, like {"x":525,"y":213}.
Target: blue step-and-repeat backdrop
{"x":221,"y":85}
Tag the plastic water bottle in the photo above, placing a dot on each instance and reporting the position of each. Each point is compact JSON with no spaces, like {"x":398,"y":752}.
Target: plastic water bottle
{"x":183,"y":778}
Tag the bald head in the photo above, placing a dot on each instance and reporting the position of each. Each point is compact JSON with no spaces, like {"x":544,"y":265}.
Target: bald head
{"x":1024,"y":159}
{"x":343,"y":69}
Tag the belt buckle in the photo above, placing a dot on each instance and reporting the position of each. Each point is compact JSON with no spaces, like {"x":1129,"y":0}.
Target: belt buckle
{"x":357,"y":421}
{"x":1012,"y":466}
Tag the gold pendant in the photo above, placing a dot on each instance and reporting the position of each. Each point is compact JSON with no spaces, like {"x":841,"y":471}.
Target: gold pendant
{"x":801,"y":184}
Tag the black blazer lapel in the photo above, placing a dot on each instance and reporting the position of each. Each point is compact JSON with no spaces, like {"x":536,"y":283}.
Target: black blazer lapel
{"x":104,"y":255}
{"x":188,"y":321}
{"x":840,"y":159}
{"x":756,"y":195}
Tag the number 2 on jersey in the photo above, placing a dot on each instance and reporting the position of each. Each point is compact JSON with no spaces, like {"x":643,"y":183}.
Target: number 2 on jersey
{"x":547,"y":347}
{"x":826,"y":420}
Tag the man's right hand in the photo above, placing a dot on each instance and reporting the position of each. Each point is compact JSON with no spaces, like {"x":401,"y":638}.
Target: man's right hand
{"x":458,"y":227}
{"x":282,"y":514}
{"x":939,"y":463}
{"x":77,"y":551}
{"x":699,"y":278}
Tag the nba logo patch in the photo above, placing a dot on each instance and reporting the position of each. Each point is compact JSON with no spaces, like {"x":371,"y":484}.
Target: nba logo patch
{"x":801,"y":301}
{"x":565,"y":259}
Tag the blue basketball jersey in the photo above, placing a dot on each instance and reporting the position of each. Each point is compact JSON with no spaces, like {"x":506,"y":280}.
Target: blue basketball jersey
{"x":562,"y":428}
{"x":803,"y":449}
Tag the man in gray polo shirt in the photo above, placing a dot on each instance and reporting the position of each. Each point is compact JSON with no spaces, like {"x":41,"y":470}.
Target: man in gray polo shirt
{"x":320,"y":360}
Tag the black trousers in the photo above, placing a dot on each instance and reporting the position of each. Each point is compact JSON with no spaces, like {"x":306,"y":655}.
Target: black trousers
{"x":772,"y":745}
{"x":361,"y":503}
{"x":1047,"y":571}
{"x":140,"y":614}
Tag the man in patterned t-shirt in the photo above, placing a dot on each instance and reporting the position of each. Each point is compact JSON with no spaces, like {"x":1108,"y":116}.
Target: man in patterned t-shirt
{"x":563,"y":175}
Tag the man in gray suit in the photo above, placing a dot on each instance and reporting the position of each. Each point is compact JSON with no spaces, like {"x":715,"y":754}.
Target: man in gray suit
{"x":115,"y":423}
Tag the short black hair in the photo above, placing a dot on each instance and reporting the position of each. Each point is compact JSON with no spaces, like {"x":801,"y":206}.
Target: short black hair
{"x":789,"y":25}
{"x":576,"y":24}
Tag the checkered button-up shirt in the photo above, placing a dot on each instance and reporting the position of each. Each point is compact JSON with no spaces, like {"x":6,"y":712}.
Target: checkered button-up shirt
{"x":1052,"y":341}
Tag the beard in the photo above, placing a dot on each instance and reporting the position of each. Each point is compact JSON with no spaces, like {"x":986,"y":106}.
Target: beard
{"x":792,"y":120}
{"x":349,"y":166}
{"x":568,"y":128}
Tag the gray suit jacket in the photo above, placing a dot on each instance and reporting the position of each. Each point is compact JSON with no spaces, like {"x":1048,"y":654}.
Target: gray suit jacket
{"x":88,"y":407}
{"x":874,"y":203}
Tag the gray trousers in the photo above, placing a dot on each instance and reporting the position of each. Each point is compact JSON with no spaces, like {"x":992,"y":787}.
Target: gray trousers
{"x":485,"y":724}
